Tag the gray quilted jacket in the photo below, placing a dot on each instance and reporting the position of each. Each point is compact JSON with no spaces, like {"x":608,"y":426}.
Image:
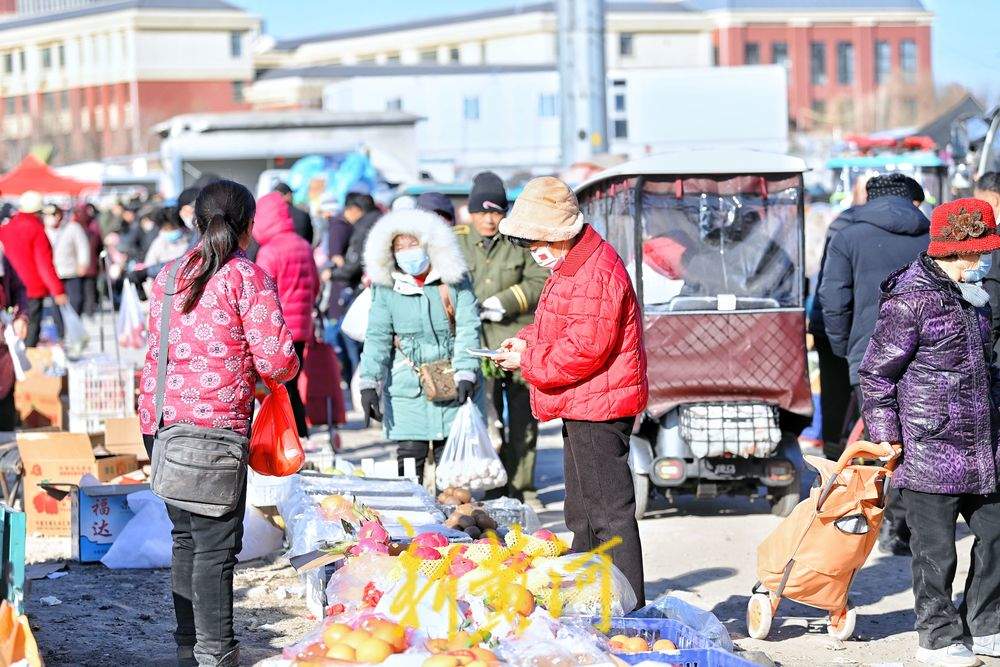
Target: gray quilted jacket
{"x":928,"y":382}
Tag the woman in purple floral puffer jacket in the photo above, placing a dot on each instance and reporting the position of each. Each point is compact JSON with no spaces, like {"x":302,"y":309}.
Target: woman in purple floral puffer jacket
{"x":929,"y":384}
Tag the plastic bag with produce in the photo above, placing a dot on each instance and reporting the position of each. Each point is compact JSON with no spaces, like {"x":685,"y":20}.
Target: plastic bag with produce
{"x":469,"y":460}
{"x":581,"y":585}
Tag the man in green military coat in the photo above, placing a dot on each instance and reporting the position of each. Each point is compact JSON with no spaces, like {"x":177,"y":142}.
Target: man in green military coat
{"x":507,"y":283}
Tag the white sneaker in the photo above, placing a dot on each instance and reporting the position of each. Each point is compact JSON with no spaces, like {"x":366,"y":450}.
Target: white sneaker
{"x":956,"y":655}
{"x":989,"y":645}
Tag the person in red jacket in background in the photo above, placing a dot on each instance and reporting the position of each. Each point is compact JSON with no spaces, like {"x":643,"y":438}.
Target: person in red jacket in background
{"x":288,"y":258}
{"x":27,"y":248}
{"x":584,"y":362}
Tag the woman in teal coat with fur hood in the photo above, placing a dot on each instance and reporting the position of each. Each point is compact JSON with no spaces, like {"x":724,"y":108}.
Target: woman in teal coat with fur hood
{"x":418,"y":275}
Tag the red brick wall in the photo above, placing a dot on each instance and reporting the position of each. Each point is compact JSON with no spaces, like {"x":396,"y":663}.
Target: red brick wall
{"x":8,"y":6}
{"x":801,"y":91}
{"x":161,"y":100}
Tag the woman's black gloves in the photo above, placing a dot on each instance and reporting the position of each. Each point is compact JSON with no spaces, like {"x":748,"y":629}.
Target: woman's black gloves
{"x":370,"y":406}
{"x":466,"y":390}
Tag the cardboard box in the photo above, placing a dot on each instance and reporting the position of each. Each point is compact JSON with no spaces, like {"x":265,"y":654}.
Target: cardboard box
{"x":124,"y":436}
{"x":98,"y":515}
{"x":41,"y":399}
{"x":58,"y":456}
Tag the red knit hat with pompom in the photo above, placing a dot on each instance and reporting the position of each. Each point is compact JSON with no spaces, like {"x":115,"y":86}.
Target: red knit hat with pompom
{"x":963,"y":227}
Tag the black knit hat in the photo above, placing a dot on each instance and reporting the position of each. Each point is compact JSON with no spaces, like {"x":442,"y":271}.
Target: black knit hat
{"x":487,"y":194}
{"x":894,"y":185}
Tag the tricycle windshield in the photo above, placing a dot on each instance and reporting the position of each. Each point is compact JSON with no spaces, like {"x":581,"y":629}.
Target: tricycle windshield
{"x":707,"y":243}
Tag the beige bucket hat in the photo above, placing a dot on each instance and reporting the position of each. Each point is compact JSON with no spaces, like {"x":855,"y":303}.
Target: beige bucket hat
{"x":546,"y":210}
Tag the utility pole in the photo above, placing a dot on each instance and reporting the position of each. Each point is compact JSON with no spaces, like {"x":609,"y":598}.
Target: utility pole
{"x":583,"y":106}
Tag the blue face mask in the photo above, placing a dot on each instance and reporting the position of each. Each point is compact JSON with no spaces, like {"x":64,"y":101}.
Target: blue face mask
{"x":979,"y":271}
{"x":174,"y":235}
{"x":413,"y":261}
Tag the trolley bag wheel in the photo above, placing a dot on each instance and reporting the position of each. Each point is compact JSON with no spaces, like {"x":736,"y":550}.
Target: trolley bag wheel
{"x":640,"y":483}
{"x":759,"y":615}
{"x":842,"y":623}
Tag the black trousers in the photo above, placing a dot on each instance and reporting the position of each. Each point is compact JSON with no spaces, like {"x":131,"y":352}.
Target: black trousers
{"x":834,"y":397}
{"x":932,"y":518}
{"x":204,"y":556}
{"x":8,"y":412}
{"x":298,"y":407}
{"x":34,"y":321}
{"x":894,"y":517}
{"x":417,"y":450}
{"x":74,"y":292}
{"x":519,"y":438}
{"x":600,"y":497}
{"x":91,"y":298}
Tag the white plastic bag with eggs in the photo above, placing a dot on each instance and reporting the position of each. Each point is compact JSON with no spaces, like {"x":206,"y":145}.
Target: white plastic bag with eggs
{"x":469,"y":460}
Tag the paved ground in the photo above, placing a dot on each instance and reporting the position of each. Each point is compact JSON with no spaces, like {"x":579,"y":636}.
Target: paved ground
{"x":703,"y":551}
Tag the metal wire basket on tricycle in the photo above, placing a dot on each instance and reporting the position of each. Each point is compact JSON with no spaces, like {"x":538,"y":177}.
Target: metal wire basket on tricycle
{"x":813,"y":556}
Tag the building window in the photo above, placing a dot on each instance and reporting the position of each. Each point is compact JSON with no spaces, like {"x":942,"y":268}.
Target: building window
{"x":47,"y":57}
{"x":238,"y":92}
{"x":392,"y":59}
{"x":908,"y":60}
{"x":395,"y":104}
{"x":817,"y":63}
{"x":620,"y":102}
{"x":751,"y":53}
{"x":779,"y":53}
{"x":547,"y":105}
{"x":429,"y":56}
{"x":454,"y":55}
{"x":49,"y":102}
{"x":8,"y":63}
{"x":470,"y":108}
{"x":845,"y":109}
{"x":10,"y":106}
{"x":909,"y":107}
{"x":883,"y":61}
{"x":621,"y":129}
{"x":64,"y":100}
{"x":25,"y":104}
{"x":84,"y":120}
{"x":235,"y":44}
{"x":845,"y":63}
{"x":366,"y":60}
{"x":22,"y":62}
{"x":715,"y":56}
{"x":61,"y":56}
{"x":626,"y":43}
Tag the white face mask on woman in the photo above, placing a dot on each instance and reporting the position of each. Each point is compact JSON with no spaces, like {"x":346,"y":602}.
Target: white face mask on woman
{"x":979,"y":271}
{"x":544,"y":257}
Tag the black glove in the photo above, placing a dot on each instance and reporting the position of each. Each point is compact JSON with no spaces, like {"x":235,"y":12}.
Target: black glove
{"x":465,"y":391}
{"x":138,"y":276}
{"x":370,"y":407}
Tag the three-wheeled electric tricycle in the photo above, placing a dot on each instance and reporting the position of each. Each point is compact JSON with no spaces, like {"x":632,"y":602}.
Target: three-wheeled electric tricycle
{"x":713,"y":240}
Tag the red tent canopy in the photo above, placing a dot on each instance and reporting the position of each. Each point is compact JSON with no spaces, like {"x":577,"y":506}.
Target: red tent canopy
{"x":33,"y":174}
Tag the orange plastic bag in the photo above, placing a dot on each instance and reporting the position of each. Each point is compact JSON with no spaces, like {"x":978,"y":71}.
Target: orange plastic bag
{"x":275,"y":448}
{"x":17,"y":645}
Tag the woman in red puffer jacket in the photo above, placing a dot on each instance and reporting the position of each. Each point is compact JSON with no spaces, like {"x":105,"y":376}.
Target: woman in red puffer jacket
{"x":289,"y":259}
{"x":584,"y":362}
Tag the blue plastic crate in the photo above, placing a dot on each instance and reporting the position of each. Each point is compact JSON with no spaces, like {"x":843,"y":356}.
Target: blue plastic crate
{"x":691,"y":657}
{"x":694,"y":649}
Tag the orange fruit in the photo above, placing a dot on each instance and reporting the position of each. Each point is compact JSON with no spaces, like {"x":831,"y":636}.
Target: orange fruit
{"x":441,"y":661}
{"x":664,"y":645}
{"x":372,"y":651}
{"x":619,"y":639}
{"x":460,"y":640}
{"x":484,"y":655}
{"x":334,"y":632}
{"x":464,"y":656}
{"x":635,"y":645}
{"x":391,"y":634}
{"x":435,"y":646}
{"x":355,"y":638}
{"x":340,"y":652}
{"x":522,"y":600}
{"x":315,"y":650}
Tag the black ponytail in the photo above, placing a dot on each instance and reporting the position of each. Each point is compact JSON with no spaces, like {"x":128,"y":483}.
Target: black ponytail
{"x":223,"y":213}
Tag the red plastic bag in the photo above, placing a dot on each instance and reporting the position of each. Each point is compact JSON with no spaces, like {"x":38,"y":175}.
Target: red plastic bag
{"x":274,"y":443}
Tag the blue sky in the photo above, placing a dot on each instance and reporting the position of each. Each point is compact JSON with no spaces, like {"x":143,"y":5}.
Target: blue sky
{"x":966,"y":47}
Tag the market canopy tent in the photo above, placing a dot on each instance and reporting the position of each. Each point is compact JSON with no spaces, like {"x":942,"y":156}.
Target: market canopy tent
{"x":33,"y":174}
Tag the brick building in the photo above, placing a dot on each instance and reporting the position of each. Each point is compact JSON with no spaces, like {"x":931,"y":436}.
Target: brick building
{"x":92,"y":78}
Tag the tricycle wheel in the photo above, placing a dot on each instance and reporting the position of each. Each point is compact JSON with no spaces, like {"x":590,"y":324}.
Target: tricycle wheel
{"x":759,"y":615}
{"x":784,"y":500}
{"x":641,"y":484}
{"x":842,"y":624}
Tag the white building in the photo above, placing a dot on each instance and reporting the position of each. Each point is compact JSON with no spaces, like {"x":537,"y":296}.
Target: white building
{"x":507,"y":118}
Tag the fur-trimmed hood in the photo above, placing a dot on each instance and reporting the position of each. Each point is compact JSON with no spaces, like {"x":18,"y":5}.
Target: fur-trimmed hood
{"x":437,"y":238}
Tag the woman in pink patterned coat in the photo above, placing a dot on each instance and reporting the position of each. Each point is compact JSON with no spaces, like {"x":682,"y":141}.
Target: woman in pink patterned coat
{"x":226,"y":330}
